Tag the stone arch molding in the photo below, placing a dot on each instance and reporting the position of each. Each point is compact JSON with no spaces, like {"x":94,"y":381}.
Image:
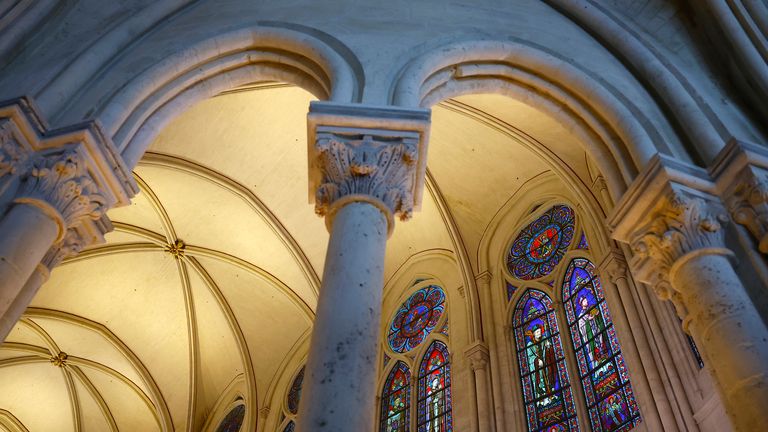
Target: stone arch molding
{"x":616,"y":132}
{"x":146,"y":101}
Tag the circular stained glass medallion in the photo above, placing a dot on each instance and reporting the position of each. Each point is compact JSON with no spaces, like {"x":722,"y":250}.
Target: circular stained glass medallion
{"x":294,"y":394}
{"x":541,"y":244}
{"x":416,"y":318}
{"x":233,"y":420}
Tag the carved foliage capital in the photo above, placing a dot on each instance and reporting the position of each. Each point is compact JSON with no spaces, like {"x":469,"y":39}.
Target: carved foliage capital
{"x":614,"y":266}
{"x":383,"y":168}
{"x":682,"y":224}
{"x":748,"y":205}
{"x":61,"y":181}
{"x":478,"y":356}
{"x":70,"y":246}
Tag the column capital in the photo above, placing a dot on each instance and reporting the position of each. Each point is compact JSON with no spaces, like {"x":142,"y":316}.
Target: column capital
{"x":72,"y":174}
{"x":741,"y":175}
{"x":478,"y":356}
{"x":668,"y":214}
{"x":614,"y":265}
{"x":367,"y":153}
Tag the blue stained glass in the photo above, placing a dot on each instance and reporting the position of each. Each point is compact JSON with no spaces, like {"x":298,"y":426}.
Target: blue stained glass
{"x":608,"y":392}
{"x":416,"y":318}
{"x":435,"y":405}
{"x":294,"y":394}
{"x":583,"y":244}
{"x":510,"y":291}
{"x":541,"y":244}
{"x":396,"y":400}
{"x":233,"y":421}
{"x":546,"y":387}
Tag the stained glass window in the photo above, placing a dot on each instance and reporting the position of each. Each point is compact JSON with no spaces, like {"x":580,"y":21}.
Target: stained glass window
{"x":294,"y":394}
{"x":290,"y":427}
{"x":416,"y":318}
{"x":510,"y":291}
{"x":435,"y":390}
{"x":396,"y":400}
{"x":610,"y":401}
{"x":233,"y":421}
{"x":583,"y":244}
{"x":547,"y":391}
{"x":541,"y":244}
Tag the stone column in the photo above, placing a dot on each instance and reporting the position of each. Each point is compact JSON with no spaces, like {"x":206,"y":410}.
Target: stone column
{"x":479,"y":361}
{"x":675,"y":228}
{"x":367,"y":165}
{"x":54,"y":187}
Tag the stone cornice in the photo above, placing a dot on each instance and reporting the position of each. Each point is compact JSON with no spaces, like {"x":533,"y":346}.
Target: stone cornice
{"x":74,"y":174}
{"x":367,"y":153}
{"x":741,"y":177}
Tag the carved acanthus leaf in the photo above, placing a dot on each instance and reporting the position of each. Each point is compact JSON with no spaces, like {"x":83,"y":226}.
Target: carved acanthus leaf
{"x":748,"y":204}
{"x":686,"y":223}
{"x":366,"y":165}
{"x":62,"y":181}
{"x":72,"y":244}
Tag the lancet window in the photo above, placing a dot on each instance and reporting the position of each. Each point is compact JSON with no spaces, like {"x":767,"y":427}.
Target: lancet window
{"x":416,"y":394}
{"x":535,"y":263}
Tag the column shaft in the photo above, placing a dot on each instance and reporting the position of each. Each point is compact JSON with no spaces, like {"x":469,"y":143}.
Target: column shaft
{"x":27,"y":233}
{"x":341,"y":370}
{"x":14,"y":311}
{"x":730,"y":333}
{"x":483,"y":400}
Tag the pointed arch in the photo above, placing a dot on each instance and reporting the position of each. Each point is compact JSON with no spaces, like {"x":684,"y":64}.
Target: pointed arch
{"x":434,"y":393}
{"x":604,"y":377}
{"x":547,"y":393}
{"x":396,"y":400}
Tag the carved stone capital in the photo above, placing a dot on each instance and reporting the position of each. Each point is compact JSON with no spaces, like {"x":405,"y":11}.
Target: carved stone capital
{"x":667,"y":214}
{"x":74,"y":175}
{"x":614,"y":266}
{"x":741,"y":175}
{"x":478,"y":356}
{"x":61,"y":186}
{"x":371,"y":154}
{"x":70,"y":246}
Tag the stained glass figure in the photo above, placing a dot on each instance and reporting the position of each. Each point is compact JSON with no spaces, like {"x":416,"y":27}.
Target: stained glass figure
{"x":396,"y":400}
{"x":290,"y":427}
{"x":583,"y":244}
{"x":510,"y":291}
{"x":233,"y":421}
{"x":610,"y":400}
{"x":435,"y":390}
{"x":294,"y":394}
{"x":547,"y":393}
{"x":416,"y":318}
{"x":541,"y":244}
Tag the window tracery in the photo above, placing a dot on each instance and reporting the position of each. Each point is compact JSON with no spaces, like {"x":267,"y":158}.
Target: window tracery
{"x":233,"y":421}
{"x":534,"y":262}
{"x":417,"y":349}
